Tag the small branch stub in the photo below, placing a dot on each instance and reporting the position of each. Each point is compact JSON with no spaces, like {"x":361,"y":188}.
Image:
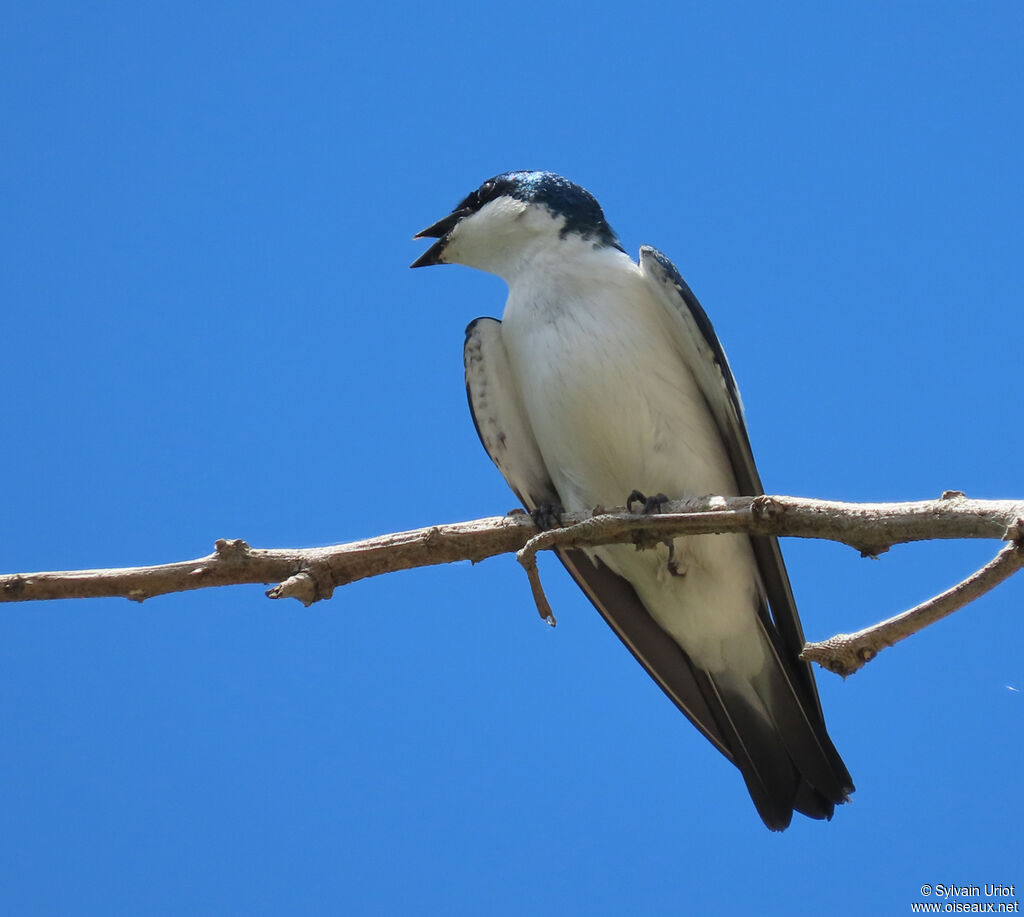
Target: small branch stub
{"x":310,"y":585}
{"x":300,"y":586}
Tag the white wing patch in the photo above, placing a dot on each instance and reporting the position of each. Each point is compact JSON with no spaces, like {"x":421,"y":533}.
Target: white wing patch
{"x":499,"y":416}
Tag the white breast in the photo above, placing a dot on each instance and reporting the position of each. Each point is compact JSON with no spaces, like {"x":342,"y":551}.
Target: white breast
{"x":614,"y":408}
{"x":612,"y":405}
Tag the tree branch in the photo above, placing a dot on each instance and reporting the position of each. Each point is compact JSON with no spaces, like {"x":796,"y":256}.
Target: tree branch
{"x":844,"y":654}
{"x":312,"y":574}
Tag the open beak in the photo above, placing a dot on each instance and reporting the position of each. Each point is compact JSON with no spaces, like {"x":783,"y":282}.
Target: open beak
{"x":439,"y":231}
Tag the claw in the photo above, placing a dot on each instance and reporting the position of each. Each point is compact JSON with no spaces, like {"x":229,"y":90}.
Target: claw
{"x":635,"y":497}
{"x":649,"y":504}
{"x":547,"y":516}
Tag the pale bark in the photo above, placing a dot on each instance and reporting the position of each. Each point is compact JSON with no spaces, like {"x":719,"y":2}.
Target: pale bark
{"x":312,"y":574}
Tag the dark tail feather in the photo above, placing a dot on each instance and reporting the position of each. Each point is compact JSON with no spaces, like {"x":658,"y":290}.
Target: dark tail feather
{"x":771,"y":729}
{"x":782,"y":759}
{"x":780,"y":743}
{"x":761,"y":758}
{"x":801,"y":726}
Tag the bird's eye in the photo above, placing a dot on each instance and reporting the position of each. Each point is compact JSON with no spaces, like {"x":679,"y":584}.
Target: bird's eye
{"x":476,"y":199}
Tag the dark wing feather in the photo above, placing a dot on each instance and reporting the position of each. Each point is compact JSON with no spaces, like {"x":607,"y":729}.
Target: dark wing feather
{"x":793,"y":680}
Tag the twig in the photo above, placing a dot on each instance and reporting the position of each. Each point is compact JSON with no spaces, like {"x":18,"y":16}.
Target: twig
{"x":312,"y":574}
{"x":539,"y":598}
{"x":869,"y":527}
{"x":844,"y":654}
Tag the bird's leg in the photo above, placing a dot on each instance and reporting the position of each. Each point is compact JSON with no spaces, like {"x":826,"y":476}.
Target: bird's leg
{"x":675,"y":567}
{"x":653,"y":505}
{"x":547,"y":515}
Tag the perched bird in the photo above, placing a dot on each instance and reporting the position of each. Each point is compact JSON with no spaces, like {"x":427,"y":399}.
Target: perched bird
{"x":605,"y":381}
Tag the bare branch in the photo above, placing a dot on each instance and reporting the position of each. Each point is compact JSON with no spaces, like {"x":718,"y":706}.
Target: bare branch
{"x":539,"y":598}
{"x":844,"y":654}
{"x":871,"y":528}
{"x":312,"y":574}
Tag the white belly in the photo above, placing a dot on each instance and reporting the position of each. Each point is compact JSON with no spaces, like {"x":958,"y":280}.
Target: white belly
{"x":611,"y":403}
{"x":614,"y":408}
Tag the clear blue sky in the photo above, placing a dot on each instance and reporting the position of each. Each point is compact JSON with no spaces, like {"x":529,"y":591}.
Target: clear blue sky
{"x":210,"y":330}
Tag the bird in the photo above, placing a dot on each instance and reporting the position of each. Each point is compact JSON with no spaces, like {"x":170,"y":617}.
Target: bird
{"x":604,"y":381}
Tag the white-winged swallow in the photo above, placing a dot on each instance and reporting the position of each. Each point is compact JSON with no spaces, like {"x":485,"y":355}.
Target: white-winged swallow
{"x":605,"y":382}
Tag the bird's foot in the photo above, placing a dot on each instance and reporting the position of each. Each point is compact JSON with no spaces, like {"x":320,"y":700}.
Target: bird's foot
{"x":675,"y":566}
{"x":547,"y":516}
{"x":648,"y":504}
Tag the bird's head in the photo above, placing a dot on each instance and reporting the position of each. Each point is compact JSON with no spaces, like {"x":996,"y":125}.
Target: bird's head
{"x":512,"y":216}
